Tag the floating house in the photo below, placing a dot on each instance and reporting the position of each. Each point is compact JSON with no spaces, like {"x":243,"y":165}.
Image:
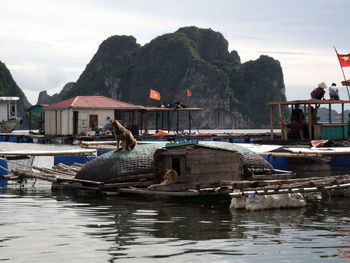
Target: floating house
{"x":76,"y":116}
{"x":199,"y":164}
{"x":8,"y":114}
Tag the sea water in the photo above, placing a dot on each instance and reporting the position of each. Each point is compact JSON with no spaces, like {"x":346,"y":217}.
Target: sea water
{"x":37,"y":225}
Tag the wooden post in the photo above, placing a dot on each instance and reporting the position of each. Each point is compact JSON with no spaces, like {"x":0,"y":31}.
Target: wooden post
{"x":280,"y":112}
{"x":177,"y":121}
{"x":30,"y":121}
{"x":330,"y":113}
{"x":272,"y":136}
{"x":347,"y":88}
{"x":156,"y":121}
{"x":134,"y":117}
{"x":146,"y":129}
{"x":309,"y":120}
{"x":343,"y":120}
{"x":162,"y":120}
{"x":189,"y":122}
{"x":141,"y":121}
{"x":168,"y":121}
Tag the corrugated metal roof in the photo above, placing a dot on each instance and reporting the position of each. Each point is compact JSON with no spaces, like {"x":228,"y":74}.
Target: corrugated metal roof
{"x":9,"y":98}
{"x":99,"y":102}
{"x":214,"y":145}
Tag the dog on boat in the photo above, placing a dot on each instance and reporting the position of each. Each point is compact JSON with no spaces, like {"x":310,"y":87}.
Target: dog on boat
{"x":123,"y":135}
{"x":170,"y":177}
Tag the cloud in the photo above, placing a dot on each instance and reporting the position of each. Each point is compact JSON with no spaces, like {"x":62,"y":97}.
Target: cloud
{"x":51,"y":44}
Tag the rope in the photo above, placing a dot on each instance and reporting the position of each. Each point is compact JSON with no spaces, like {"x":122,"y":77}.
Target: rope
{"x":194,"y":124}
{"x":14,"y":162}
{"x":2,"y":167}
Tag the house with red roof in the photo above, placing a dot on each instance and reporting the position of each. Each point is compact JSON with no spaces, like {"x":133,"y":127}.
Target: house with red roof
{"x":76,"y":116}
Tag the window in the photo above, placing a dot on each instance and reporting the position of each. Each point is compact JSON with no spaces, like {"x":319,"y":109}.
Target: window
{"x":93,"y":119}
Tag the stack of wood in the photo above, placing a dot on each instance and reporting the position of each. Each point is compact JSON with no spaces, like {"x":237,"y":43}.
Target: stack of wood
{"x":63,"y":175}
{"x":300,"y":185}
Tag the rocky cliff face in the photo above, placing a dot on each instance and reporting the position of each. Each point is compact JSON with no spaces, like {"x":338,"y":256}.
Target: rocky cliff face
{"x":8,"y":87}
{"x":232,"y":94}
{"x":44,"y":98}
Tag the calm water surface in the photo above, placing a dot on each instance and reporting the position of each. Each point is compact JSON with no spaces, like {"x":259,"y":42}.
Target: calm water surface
{"x":37,"y":225}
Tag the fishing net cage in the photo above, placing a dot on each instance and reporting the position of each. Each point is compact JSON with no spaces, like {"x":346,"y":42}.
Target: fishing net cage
{"x":114,"y":166}
{"x":21,"y":162}
{"x":253,"y":163}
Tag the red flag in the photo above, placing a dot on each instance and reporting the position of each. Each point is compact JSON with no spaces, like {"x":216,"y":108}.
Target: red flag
{"x":188,"y":93}
{"x":154,"y":94}
{"x":344,"y":60}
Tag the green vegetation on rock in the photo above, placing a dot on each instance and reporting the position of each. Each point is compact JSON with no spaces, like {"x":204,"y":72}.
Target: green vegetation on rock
{"x":232,"y":94}
{"x":9,"y":88}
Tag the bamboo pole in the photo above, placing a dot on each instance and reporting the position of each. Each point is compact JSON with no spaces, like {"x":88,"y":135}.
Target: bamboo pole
{"x":291,"y":155}
{"x":49,"y":153}
{"x":280,"y":113}
{"x":347,"y":88}
{"x":290,"y":190}
{"x":309,"y":119}
{"x":272,"y":136}
{"x":51,"y":171}
{"x":246,"y":183}
{"x":126,"y":184}
{"x":131,"y":178}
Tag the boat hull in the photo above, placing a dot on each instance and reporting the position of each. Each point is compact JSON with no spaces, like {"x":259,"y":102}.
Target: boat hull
{"x":10,"y":125}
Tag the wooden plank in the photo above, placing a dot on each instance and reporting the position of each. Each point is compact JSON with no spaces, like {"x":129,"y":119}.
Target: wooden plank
{"x":48,"y":153}
{"x":272,"y":136}
{"x":127,"y":184}
{"x":131,"y":178}
{"x":289,"y":190}
{"x":157,"y":193}
{"x":309,"y":119}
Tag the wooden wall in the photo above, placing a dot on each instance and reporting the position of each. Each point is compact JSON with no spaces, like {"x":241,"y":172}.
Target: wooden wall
{"x":200,"y":165}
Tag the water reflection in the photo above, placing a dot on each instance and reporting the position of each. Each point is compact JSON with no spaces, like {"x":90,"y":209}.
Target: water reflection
{"x":118,"y":229}
{"x":170,"y":229}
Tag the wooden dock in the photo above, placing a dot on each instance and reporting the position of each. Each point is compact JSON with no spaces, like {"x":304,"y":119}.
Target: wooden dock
{"x":23,"y":137}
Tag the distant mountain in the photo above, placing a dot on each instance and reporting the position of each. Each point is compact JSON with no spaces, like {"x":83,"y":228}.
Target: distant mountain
{"x":8,"y":87}
{"x":232,"y":94}
{"x":323,"y":113}
{"x":44,"y":98}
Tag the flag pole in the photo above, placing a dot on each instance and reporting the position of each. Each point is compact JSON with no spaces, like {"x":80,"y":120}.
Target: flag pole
{"x":346,"y":83}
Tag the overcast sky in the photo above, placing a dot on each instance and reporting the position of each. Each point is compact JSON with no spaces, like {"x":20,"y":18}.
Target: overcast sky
{"x":47,"y":43}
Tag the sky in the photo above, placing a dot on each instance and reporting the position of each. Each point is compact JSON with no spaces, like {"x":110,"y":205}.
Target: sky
{"x":46,"y":44}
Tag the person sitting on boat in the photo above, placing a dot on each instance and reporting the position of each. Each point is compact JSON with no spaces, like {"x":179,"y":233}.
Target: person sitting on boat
{"x":107,"y":127}
{"x":333,"y":92}
{"x":96,"y":129}
{"x":294,"y":130}
{"x":314,"y":116}
{"x":296,"y":125}
{"x":318,"y":93}
{"x":297,"y":115}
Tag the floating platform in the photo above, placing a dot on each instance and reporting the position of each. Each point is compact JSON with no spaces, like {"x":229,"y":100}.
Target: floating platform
{"x":24,"y":137}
